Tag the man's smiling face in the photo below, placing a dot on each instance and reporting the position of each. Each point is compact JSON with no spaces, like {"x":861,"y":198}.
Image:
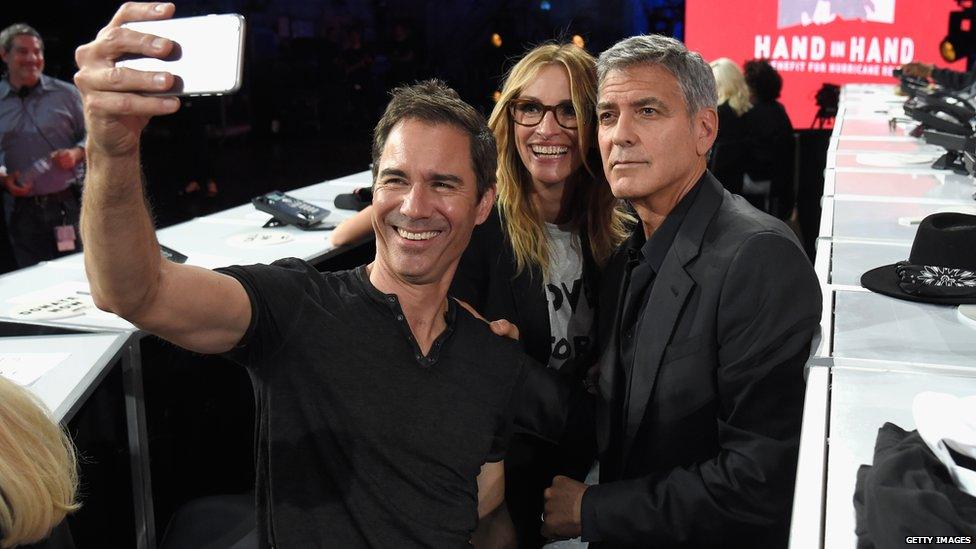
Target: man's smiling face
{"x":425,"y":201}
{"x":25,"y":60}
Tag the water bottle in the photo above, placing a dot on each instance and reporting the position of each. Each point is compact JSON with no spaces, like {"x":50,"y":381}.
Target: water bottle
{"x":40,"y":167}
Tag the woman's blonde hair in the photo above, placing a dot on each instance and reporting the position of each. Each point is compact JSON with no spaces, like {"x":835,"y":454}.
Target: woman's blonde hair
{"x":731,"y":85}
{"x":592,"y":203}
{"x":38,"y":478}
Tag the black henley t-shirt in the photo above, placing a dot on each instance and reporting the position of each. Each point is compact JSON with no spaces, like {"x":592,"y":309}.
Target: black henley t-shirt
{"x":361,"y":440}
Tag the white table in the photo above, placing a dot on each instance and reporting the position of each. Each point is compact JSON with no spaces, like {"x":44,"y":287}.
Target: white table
{"x":66,"y":386}
{"x":874,"y":352}
{"x":863,"y":396}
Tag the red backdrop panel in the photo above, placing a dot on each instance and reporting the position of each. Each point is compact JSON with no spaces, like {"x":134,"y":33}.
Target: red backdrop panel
{"x":811,"y":42}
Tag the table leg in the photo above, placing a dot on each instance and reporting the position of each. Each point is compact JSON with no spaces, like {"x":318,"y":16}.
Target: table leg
{"x":135,"y":419}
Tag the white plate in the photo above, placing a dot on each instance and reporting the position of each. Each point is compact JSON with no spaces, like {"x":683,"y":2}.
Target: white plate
{"x":893,"y":160}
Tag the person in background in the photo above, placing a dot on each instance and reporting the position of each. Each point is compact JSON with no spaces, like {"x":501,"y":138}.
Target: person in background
{"x":536,"y":261}
{"x":38,"y":477}
{"x":42,"y":142}
{"x":947,"y":78}
{"x":730,"y":151}
{"x":771,"y":142}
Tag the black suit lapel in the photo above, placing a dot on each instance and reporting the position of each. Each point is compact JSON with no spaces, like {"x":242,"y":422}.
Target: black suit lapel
{"x":612,"y":294}
{"x":665,"y":303}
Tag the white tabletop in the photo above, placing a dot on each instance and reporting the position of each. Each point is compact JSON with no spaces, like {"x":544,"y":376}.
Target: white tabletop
{"x":885,"y":143}
{"x":868,"y":219}
{"x":919,"y":161}
{"x":205,"y":241}
{"x":880,"y":184}
{"x":884,"y":108}
{"x":868,"y":90}
{"x":873,"y":126}
{"x":861,"y":401}
{"x":64,"y":388}
{"x":63,"y":277}
{"x":877,"y":327}
{"x":850,"y":259}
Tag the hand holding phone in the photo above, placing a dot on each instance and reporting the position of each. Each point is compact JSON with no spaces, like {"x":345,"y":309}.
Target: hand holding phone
{"x":116,"y":106}
{"x":207,"y":54}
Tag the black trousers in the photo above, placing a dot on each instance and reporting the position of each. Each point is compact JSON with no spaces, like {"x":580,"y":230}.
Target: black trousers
{"x":33,"y":222}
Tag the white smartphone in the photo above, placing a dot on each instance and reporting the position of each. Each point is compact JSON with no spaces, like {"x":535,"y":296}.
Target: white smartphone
{"x":207,"y":57}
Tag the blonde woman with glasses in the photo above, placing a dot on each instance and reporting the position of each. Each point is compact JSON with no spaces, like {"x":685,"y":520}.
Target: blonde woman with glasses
{"x":38,"y":479}
{"x":536,"y":261}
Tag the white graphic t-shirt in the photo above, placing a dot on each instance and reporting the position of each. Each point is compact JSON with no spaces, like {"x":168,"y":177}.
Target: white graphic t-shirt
{"x":570,"y":313}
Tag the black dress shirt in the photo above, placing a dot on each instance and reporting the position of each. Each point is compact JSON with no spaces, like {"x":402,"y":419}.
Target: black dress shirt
{"x":644,"y":261}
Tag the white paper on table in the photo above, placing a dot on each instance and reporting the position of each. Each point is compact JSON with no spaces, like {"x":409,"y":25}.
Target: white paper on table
{"x":26,"y":368}
{"x":64,"y":300}
{"x":51,"y":292}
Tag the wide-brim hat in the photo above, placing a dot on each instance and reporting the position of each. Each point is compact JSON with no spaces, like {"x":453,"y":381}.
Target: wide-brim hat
{"x":941,"y":268}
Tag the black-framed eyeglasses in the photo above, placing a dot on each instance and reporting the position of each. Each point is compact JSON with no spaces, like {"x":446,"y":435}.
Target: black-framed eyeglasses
{"x":528,"y":112}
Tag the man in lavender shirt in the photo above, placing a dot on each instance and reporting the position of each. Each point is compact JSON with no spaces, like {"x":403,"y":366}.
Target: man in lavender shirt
{"x":42,"y":139}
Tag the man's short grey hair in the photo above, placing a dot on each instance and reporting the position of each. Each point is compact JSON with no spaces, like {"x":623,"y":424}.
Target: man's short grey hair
{"x":8,"y":34}
{"x":694,"y":76}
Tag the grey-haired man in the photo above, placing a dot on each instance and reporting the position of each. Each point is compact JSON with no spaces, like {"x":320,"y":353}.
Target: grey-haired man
{"x":701,"y":376}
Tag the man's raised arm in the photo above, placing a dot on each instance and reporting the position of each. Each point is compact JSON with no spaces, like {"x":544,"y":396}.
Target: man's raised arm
{"x":195,"y":308}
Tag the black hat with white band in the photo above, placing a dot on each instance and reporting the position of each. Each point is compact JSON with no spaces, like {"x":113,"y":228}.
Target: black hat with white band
{"x":941,"y":267}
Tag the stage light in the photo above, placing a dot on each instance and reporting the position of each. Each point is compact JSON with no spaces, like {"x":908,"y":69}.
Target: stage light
{"x":959,"y":43}
{"x":496,"y":40}
{"x":948,"y":51}
{"x":545,"y":5}
{"x":496,"y":96}
{"x":578,"y":41}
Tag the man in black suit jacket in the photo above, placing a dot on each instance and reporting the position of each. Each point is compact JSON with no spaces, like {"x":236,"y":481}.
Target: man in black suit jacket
{"x":701,"y":378}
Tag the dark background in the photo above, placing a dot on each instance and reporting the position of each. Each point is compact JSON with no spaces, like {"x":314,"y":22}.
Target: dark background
{"x":316,"y":77}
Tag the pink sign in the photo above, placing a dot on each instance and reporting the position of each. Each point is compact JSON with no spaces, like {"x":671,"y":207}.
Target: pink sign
{"x":811,"y":42}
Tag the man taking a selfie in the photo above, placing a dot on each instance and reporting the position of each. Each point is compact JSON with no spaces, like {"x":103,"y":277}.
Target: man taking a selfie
{"x":376,"y":426}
